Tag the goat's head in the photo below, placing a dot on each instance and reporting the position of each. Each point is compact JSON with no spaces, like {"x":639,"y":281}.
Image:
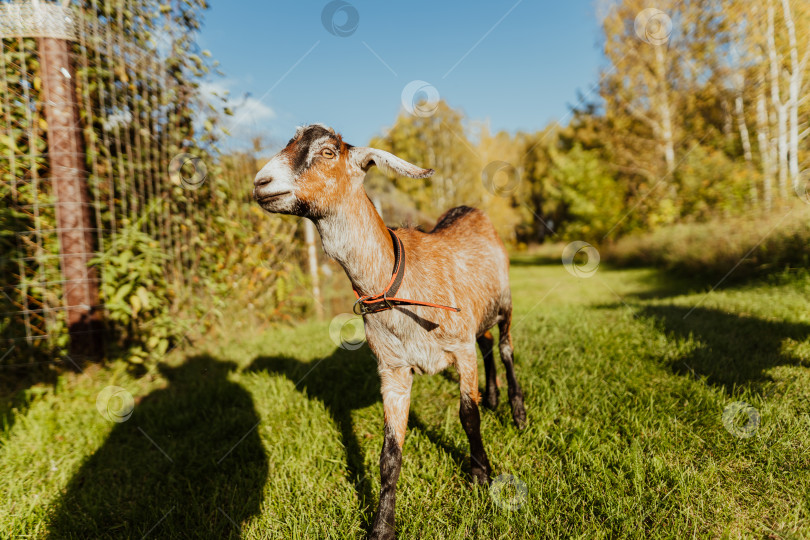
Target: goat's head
{"x":316,"y":171}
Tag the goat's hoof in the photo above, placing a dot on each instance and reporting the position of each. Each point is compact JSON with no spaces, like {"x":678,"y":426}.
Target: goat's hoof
{"x":519,"y":416}
{"x":481,"y":476}
{"x":491,"y":400}
{"x":382,"y":533}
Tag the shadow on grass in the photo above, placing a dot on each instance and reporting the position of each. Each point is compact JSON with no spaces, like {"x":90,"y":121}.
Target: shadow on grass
{"x":18,"y":388}
{"x":344,"y":382}
{"x":534,"y":260}
{"x":188,"y":463}
{"x":660,"y":285}
{"x":734,"y":350}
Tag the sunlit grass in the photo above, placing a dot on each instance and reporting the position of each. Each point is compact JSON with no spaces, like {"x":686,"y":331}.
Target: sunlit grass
{"x":277,"y":435}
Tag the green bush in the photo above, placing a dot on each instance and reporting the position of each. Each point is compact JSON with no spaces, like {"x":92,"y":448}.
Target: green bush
{"x":587,"y":195}
{"x":137,"y":298}
{"x":757,"y":244}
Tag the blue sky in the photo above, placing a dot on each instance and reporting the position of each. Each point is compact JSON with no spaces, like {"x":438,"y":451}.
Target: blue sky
{"x":516,"y":65}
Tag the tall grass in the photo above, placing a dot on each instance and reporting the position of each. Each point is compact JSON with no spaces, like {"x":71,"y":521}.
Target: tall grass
{"x":756,"y":244}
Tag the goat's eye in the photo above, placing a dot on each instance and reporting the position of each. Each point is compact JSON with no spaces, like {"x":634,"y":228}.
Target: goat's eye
{"x":326,"y":152}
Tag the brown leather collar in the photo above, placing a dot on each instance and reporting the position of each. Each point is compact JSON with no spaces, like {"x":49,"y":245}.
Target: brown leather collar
{"x":386,"y":299}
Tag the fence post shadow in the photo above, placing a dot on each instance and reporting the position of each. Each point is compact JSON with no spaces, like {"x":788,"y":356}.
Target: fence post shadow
{"x":189,"y":462}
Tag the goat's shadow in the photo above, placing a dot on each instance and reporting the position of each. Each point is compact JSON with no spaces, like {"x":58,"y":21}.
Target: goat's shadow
{"x":736,"y":350}
{"x":344,"y":382}
{"x":188,"y":463}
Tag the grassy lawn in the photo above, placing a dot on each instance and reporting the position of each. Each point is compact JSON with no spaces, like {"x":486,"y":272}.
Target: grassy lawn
{"x":277,"y":435}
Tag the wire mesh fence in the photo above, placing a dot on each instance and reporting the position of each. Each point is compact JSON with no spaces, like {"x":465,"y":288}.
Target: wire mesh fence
{"x":137,"y":144}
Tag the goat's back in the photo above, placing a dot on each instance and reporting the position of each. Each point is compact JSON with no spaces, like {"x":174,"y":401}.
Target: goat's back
{"x":461,"y":262}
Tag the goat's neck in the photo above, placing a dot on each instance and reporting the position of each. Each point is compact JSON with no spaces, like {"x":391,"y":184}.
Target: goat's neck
{"x":356,"y":237}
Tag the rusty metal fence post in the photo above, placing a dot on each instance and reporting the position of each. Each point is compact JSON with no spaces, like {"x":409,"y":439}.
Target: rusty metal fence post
{"x":53,"y":27}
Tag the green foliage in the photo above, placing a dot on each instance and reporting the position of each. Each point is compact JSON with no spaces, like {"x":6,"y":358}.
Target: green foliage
{"x":585,"y":195}
{"x":137,"y":297}
{"x":711,"y":184}
{"x":170,"y":252}
{"x":439,"y":142}
{"x":250,"y":262}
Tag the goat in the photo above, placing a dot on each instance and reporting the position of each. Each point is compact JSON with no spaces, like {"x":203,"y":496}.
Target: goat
{"x":461,"y":262}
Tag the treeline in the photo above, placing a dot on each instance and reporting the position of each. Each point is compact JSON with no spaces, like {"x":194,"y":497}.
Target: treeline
{"x":700,"y":113}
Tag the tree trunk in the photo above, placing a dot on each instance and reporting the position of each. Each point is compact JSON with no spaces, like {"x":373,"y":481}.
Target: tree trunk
{"x":779,"y":107}
{"x":664,"y":112}
{"x":312,"y":256}
{"x":794,"y":88}
{"x":743,"y":127}
{"x":765,"y":150}
{"x":66,"y":155}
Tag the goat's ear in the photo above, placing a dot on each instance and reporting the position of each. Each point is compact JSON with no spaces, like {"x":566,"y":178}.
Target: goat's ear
{"x":386,"y":162}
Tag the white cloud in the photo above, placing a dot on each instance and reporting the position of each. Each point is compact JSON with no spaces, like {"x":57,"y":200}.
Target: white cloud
{"x":250,"y":116}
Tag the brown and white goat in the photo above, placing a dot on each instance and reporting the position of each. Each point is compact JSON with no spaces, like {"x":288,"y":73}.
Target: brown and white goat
{"x":461,"y":262}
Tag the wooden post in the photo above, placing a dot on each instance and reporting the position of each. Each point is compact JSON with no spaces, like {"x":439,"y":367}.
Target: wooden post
{"x":309,"y":239}
{"x":66,"y":155}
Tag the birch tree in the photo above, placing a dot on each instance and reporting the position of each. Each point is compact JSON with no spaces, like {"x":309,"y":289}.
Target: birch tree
{"x":795,"y":86}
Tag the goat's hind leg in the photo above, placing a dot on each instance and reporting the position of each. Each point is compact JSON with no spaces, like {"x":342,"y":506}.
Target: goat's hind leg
{"x":467,"y":366}
{"x":491,"y":392}
{"x":515,"y":392}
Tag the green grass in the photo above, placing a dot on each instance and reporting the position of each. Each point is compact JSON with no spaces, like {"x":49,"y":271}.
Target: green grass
{"x":277,"y":435}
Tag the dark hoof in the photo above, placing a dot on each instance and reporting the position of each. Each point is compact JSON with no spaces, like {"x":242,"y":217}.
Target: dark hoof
{"x":519,"y":416}
{"x":382,"y":533}
{"x":491,"y":400}
{"x":481,"y":476}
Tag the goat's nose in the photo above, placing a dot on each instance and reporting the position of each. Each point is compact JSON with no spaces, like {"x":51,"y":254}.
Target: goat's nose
{"x":262,"y":181}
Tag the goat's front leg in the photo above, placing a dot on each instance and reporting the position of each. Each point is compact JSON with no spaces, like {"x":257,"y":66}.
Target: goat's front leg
{"x":467,"y":366}
{"x":396,"y":394}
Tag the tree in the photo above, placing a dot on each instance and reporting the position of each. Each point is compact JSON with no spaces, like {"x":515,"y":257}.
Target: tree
{"x":439,"y":142}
